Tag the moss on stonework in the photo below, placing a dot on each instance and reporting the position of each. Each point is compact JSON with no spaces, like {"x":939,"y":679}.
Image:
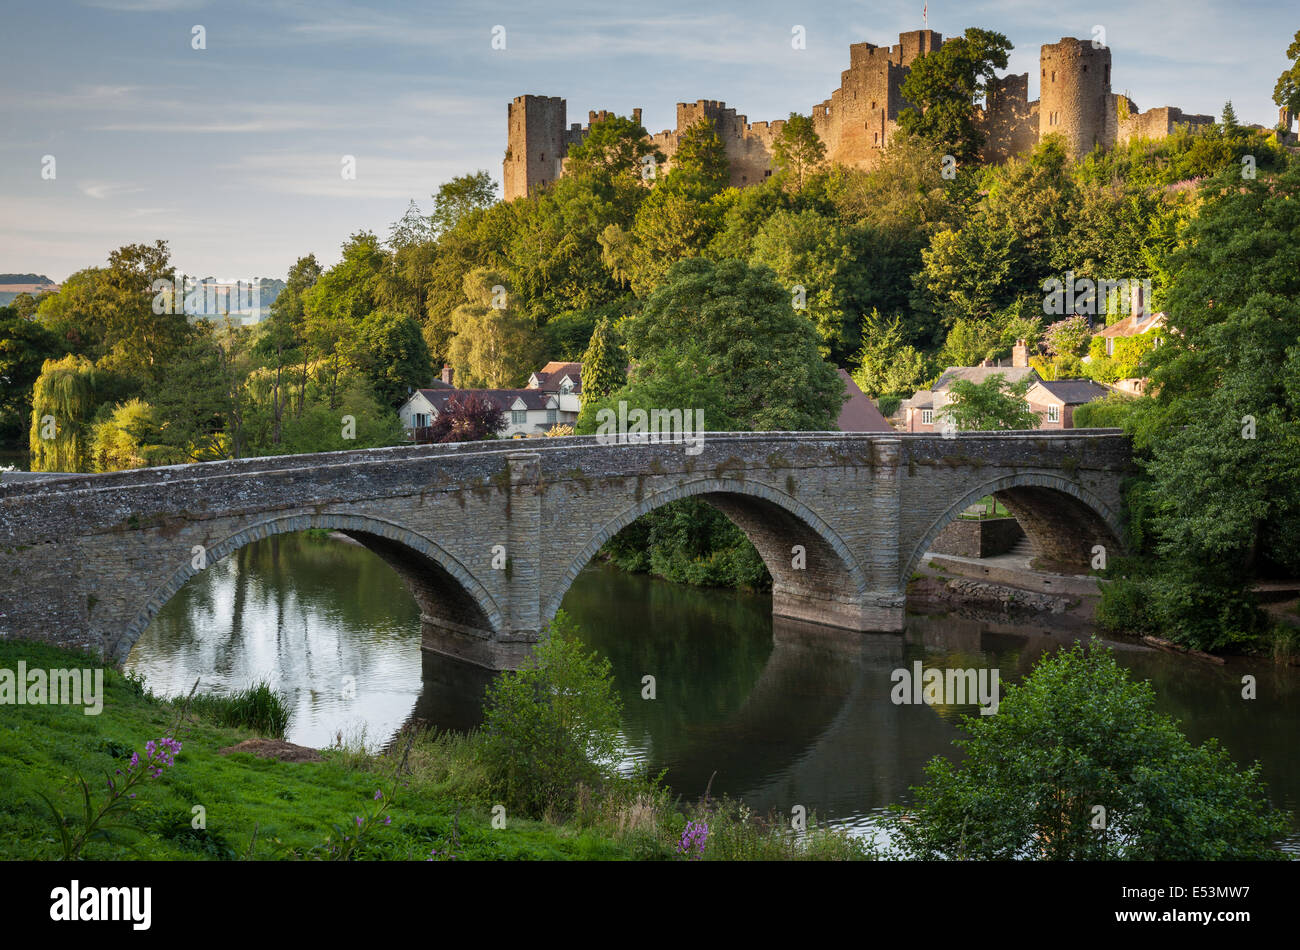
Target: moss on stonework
{"x":731,"y":462}
{"x":579,"y":476}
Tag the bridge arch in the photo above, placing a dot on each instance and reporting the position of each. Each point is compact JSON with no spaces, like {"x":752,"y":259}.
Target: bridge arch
{"x":833,"y":583}
{"x":445,"y":591}
{"x":1063,"y":519}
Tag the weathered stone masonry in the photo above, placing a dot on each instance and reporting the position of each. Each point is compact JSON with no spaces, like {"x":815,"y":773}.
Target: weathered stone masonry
{"x":858,"y":119}
{"x":88,"y":560}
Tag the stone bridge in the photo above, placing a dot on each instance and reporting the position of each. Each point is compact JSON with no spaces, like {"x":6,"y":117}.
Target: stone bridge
{"x":489,"y":535}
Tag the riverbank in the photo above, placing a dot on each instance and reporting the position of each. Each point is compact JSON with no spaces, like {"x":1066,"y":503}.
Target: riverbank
{"x":420,"y":800}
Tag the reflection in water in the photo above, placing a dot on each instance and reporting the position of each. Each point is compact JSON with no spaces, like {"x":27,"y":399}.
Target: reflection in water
{"x":778,"y":713}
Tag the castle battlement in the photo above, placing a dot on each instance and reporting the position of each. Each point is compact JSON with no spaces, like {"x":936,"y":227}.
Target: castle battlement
{"x":858,"y":119}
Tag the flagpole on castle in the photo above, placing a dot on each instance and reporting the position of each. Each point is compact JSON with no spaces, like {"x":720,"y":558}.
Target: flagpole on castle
{"x":925,"y":15}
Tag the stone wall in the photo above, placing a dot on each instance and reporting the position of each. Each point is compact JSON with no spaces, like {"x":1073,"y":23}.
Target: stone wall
{"x":983,"y":537}
{"x":1157,"y":123}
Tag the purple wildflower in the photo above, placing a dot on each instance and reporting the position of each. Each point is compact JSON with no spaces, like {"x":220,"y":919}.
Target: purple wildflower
{"x":693,"y":840}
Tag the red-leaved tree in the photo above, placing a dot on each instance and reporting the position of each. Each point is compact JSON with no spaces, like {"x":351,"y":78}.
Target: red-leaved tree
{"x":467,"y":417}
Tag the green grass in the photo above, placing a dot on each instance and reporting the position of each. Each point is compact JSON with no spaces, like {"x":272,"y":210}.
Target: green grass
{"x":292,"y":806}
{"x":269,"y":810}
{"x":997,"y":511}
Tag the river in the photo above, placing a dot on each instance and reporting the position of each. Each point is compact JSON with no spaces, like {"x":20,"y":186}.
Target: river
{"x":779,"y":714}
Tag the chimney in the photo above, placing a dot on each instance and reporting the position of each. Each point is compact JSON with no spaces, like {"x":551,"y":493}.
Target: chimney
{"x":1137,"y":301}
{"x":1020,"y":353}
{"x":636,"y":116}
{"x":446,"y":374}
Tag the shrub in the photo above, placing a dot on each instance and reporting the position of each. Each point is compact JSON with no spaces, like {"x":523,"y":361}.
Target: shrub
{"x":257,"y":707}
{"x":552,"y":725}
{"x":1079,"y":765}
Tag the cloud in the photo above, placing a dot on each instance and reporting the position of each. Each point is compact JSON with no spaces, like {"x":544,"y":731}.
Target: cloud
{"x":318,"y":174}
{"x":103,"y":190}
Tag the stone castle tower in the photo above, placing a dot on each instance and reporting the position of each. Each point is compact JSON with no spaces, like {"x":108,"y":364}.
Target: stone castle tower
{"x":858,"y":120}
{"x":1074,"y":94}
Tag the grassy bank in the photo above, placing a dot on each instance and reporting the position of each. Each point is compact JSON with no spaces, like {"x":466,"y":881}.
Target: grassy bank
{"x":274,"y":810}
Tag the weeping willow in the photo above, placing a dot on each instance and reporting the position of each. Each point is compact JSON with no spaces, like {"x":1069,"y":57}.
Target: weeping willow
{"x":63,"y":400}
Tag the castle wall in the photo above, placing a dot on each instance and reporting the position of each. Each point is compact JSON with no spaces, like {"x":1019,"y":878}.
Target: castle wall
{"x":1157,"y":123}
{"x":1009,"y":121}
{"x":858,"y":119}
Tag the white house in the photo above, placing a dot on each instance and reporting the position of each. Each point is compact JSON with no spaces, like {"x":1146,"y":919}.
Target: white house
{"x":552,"y":398}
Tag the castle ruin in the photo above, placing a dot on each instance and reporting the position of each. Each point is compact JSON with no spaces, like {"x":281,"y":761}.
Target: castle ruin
{"x":858,"y":120}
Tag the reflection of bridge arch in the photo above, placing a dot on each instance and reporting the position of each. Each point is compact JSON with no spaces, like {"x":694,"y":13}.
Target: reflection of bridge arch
{"x":774,"y":522}
{"x":1062,"y":518}
{"x":442,"y":586}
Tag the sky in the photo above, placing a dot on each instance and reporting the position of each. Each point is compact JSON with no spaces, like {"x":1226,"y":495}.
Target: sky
{"x":233,"y":153}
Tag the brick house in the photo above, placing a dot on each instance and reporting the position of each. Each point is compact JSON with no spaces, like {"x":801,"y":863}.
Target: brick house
{"x":920,"y":413}
{"x":1055,"y":401}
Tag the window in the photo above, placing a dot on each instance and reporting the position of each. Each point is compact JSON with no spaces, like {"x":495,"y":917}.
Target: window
{"x":419,"y":420}
{"x":1053,"y":413}
{"x":518,"y":416}
{"x":550,"y":416}
{"x":1053,"y":75}
{"x":927,"y":417}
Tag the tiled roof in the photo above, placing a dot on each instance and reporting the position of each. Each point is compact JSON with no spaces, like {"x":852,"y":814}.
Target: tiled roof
{"x":860,"y":413}
{"x":549,"y":376}
{"x":1129,"y":327}
{"x":1074,"y":392}
{"x":978,"y":374}
{"x":504,"y":398}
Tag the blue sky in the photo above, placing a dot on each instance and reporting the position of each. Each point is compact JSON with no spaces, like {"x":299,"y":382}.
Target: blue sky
{"x":232,"y":153}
